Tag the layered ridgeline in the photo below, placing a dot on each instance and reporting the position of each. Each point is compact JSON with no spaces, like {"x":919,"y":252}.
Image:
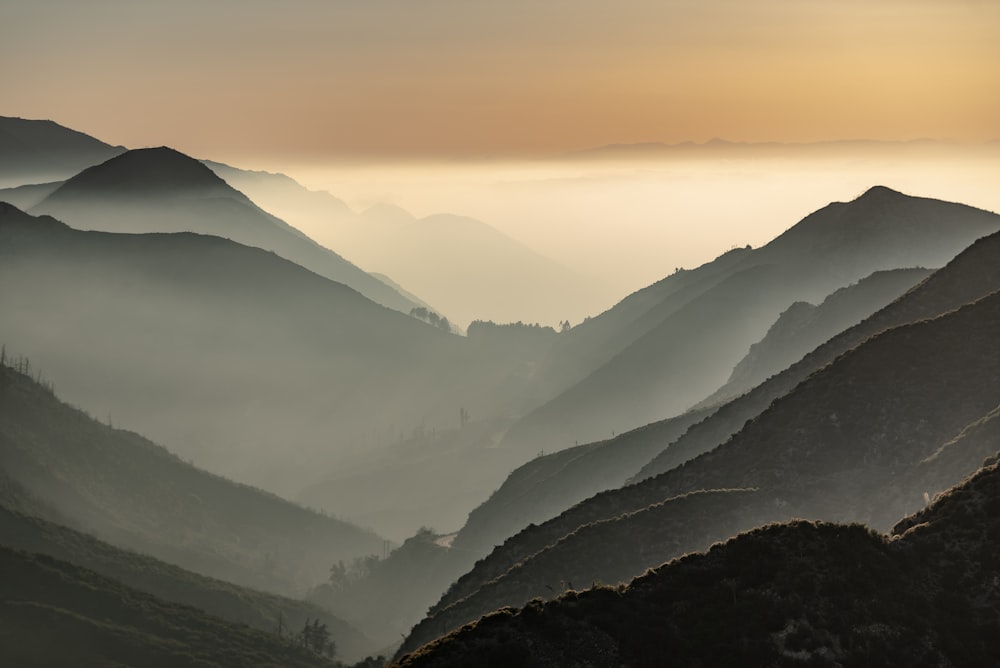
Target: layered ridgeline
{"x":162,"y":190}
{"x":267,"y":612}
{"x":65,"y":466}
{"x":548,"y":485}
{"x":35,"y":151}
{"x":825,"y":594}
{"x":53,"y":613}
{"x":666,"y":347}
{"x":232,"y":356}
{"x":463,"y":266}
{"x":856,"y":441}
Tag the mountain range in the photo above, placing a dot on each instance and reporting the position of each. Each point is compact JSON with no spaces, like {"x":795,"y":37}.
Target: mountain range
{"x":783,"y":594}
{"x":667,"y":347}
{"x":839,"y":446}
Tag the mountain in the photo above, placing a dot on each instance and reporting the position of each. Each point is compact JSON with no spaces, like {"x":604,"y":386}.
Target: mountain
{"x":802,"y":327}
{"x":162,"y":190}
{"x":665,"y":348}
{"x":55,"y":613}
{"x":239,"y":360}
{"x":266,"y":612}
{"x":972,"y":275}
{"x":467,"y":269}
{"x":137,"y":495}
{"x":35,"y":151}
{"x":856,"y":441}
{"x":826,"y":594}
{"x":544,"y":487}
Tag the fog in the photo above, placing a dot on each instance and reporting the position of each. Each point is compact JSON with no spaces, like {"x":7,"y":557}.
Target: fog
{"x":632,"y":217}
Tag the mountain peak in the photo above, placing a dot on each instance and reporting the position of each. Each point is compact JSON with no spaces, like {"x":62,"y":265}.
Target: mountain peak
{"x":880,"y":191}
{"x":147,"y":171}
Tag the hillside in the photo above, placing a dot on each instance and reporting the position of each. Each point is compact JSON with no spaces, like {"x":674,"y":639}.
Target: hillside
{"x":220,"y":351}
{"x":265,"y":612}
{"x":36,"y":151}
{"x":972,"y":274}
{"x":838,"y":447}
{"x":803,"y":326}
{"x":135,"y":494}
{"x":690,"y":332}
{"x":824,"y":593}
{"x":55,"y":613}
{"x":162,"y":190}
{"x":551,"y":483}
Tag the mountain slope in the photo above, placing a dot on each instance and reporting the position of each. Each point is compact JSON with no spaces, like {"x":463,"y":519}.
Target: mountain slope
{"x":693,"y":338}
{"x":838,"y":447}
{"x":265,"y":612}
{"x":241,"y":361}
{"x":972,"y":274}
{"x":133,"y":493}
{"x":801,"y":592}
{"x":803,"y":327}
{"x":55,"y":613}
{"x":549,"y":484}
{"x":33,"y":151}
{"x":162,"y":190}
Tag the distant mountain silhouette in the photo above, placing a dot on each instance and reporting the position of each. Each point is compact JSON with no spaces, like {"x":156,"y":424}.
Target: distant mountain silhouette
{"x":665,"y":348}
{"x":855,"y":442}
{"x":162,"y":190}
{"x":465,"y":268}
{"x":35,"y":151}
{"x":826,"y":594}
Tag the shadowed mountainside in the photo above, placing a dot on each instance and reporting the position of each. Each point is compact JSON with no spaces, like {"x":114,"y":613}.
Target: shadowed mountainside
{"x":838,"y":447}
{"x":824,"y":593}
{"x":803,"y":326}
{"x":162,"y":190}
{"x":971,"y":275}
{"x":134,"y":494}
{"x":221,"y":352}
{"x":265,"y":612}
{"x":544,"y":487}
{"x":549,"y":484}
{"x":35,"y":151}
{"x":664,"y":348}
{"x":55,"y":613}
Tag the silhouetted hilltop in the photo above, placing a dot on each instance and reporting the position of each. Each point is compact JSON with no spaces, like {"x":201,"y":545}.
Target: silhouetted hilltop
{"x":240,"y":605}
{"x":691,"y":338}
{"x":146,"y":172}
{"x":135,"y":494}
{"x":32,"y":151}
{"x":803,"y":591}
{"x":57,"y":614}
{"x":163,"y":190}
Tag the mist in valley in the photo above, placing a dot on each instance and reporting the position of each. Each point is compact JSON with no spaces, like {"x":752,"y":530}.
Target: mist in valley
{"x":401,"y":334}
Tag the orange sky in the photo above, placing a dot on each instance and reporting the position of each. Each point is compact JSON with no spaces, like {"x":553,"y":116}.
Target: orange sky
{"x":316,"y":79}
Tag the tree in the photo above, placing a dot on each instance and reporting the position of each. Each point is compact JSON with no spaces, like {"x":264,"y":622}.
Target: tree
{"x":316,"y":637}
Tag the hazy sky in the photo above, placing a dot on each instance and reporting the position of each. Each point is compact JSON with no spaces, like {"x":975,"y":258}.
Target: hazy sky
{"x":233,"y":79}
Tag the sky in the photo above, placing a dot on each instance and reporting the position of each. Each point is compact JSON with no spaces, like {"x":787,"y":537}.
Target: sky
{"x":377,"y":79}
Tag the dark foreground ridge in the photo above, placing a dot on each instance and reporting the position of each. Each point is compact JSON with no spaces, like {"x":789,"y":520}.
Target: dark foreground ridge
{"x":802,"y":593}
